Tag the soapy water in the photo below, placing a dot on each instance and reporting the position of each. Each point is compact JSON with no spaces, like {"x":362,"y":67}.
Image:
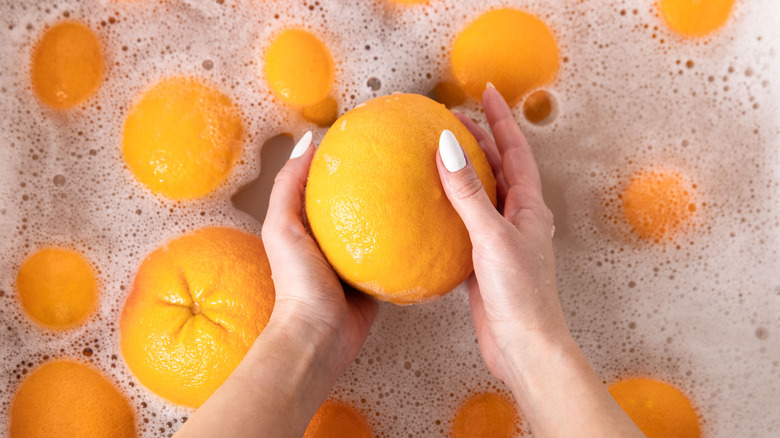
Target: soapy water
{"x":699,"y":311}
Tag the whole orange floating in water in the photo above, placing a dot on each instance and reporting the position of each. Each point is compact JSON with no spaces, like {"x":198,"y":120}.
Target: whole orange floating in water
{"x":657,"y":204}
{"x":67,"y":65}
{"x":299,"y":68}
{"x":486,"y":415}
{"x":377,"y":207}
{"x":512,"y":49}
{"x":660,"y":410}
{"x":57,"y":288}
{"x":196,"y":306}
{"x":336,"y":419}
{"x":182,"y":138}
{"x":69,"y":399}
{"x":695,"y":17}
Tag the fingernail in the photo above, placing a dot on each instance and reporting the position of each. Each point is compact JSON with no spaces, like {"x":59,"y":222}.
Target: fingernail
{"x":302,"y":146}
{"x":490,"y":85}
{"x":451,"y":152}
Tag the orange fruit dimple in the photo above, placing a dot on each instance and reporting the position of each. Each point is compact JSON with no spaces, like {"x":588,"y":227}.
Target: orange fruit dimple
{"x":57,"y":288}
{"x":695,"y":18}
{"x":182,"y":138}
{"x":512,"y":49}
{"x":486,"y":415}
{"x":376,"y":205}
{"x":335,"y":419}
{"x":69,"y":399}
{"x":657,"y":408}
{"x":657,"y":204}
{"x":299,"y":68}
{"x":67,"y":65}
{"x":196,"y":307}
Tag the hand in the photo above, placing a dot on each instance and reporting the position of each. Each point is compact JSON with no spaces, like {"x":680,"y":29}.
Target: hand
{"x":315,"y":331}
{"x":520,"y":325}
{"x":512,"y":293}
{"x":308,"y":292}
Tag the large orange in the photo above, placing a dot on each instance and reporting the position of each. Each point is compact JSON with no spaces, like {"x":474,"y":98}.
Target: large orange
{"x":377,"y":207}
{"x":196,"y":307}
{"x":69,"y":399}
{"x":659,"y":409}
{"x":657,"y":204}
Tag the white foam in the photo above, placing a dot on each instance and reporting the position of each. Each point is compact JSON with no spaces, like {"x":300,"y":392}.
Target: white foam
{"x":701,"y":312}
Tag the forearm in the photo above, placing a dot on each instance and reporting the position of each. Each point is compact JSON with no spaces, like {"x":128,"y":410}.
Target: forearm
{"x":561,"y":395}
{"x":274,"y":391}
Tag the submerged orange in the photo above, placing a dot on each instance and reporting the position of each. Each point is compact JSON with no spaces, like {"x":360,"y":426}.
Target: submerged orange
{"x":336,"y":419}
{"x":377,"y":207}
{"x":486,"y":415}
{"x":70,"y":399}
{"x":196,"y":306}
{"x":659,"y":409}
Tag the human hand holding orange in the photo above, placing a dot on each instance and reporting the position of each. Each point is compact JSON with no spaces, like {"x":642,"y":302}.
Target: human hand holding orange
{"x":315,"y":331}
{"x":520,"y":325}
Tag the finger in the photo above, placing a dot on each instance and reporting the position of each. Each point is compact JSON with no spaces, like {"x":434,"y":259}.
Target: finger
{"x":524,"y":189}
{"x":464,"y":188}
{"x":491,"y":152}
{"x":284,"y":217}
{"x":518,"y":159}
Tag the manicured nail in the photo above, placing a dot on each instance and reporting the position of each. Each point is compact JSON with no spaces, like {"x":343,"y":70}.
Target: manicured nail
{"x":451,"y":152}
{"x":302,"y":146}
{"x":490,"y":85}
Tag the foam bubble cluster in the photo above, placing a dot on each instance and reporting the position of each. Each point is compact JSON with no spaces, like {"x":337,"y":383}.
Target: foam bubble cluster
{"x":698,"y":310}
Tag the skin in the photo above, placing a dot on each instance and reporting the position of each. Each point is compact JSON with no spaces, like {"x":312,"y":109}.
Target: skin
{"x":317,"y":327}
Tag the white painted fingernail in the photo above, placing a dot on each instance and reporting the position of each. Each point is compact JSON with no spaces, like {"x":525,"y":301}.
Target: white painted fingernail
{"x":451,"y":152}
{"x":490,"y":85}
{"x":302,"y":146}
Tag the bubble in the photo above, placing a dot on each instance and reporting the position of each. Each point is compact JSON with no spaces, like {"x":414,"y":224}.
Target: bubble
{"x":539,"y":107}
{"x":762,"y":333}
{"x":59,"y":180}
{"x":208,"y":64}
{"x":374,"y":83}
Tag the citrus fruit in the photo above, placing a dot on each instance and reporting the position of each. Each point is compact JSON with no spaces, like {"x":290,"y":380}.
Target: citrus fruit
{"x":659,"y":410}
{"x":323,"y":113}
{"x":299,"y":68}
{"x":486,"y":415}
{"x":70,"y":399}
{"x":512,"y":49}
{"x":336,"y":419}
{"x":695,"y":18}
{"x":657,"y":204}
{"x":376,"y":205}
{"x":196,"y":306}
{"x":57,"y":288}
{"x":182,"y":138}
{"x":67,"y":65}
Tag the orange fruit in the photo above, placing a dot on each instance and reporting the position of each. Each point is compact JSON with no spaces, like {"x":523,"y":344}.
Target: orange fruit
{"x":322,"y":114}
{"x":512,"y":49}
{"x":196,"y":306}
{"x":449,"y":94}
{"x":657,"y":204}
{"x":538,"y":107}
{"x":299,"y":68}
{"x":67,"y":65}
{"x":70,"y":399}
{"x":57,"y":288}
{"x":336,"y":419}
{"x":182,"y":138}
{"x":659,"y":410}
{"x":376,"y":205}
{"x":486,"y":415}
{"x":695,"y":18}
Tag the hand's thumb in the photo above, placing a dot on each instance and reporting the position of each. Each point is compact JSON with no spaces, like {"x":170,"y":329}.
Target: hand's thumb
{"x":463,"y":186}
